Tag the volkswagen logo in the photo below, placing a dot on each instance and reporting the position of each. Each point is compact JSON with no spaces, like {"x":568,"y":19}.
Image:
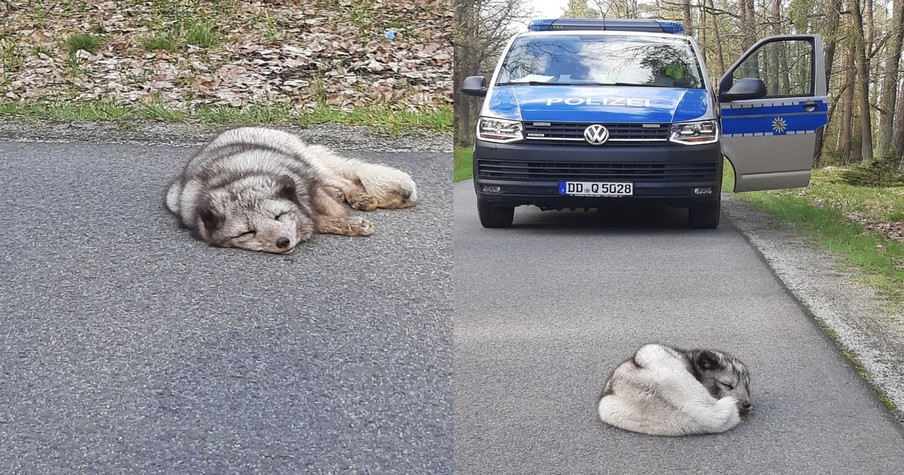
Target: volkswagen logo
{"x":596,"y":134}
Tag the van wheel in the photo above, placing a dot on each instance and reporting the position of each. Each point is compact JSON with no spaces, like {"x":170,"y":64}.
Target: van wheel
{"x":493,"y":216}
{"x":705,"y":217}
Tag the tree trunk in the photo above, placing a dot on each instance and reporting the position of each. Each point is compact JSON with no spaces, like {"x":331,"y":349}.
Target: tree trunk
{"x":773,"y":61}
{"x":847,"y":107}
{"x":462,"y":52}
{"x":748,"y":37}
{"x":833,"y":14}
{"x":720,"y":59}
{"x":898,"y":142}
{"x":890,"y":84}
{"x":860,"y":61}
{"x":688,"y":19}
{"x":748,"y":24}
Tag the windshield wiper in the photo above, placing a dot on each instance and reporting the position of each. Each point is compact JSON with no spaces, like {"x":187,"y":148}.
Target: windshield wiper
{"x":631,"y":84}
{"x":553,"y":83}
{"x":528,"y":83}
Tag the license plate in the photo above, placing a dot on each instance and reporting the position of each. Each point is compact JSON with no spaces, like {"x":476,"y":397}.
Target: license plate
{"x":592,"y":188}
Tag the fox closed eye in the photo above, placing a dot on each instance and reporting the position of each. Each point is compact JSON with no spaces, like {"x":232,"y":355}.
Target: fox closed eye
{"x":246,"y":234}
{"x":727,"y":386}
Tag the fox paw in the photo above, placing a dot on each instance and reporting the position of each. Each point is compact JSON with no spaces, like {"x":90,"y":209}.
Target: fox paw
{"x":363,"y":202}
{"x":360,"y":226}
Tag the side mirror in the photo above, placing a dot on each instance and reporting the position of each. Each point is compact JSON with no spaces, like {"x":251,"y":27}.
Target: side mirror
{"x":745,"y":88}
{"x":474,"y":86}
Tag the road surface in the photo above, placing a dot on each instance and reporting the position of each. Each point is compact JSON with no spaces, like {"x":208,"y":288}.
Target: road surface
{"x":545,"y":310}
{"x":128,"y":346}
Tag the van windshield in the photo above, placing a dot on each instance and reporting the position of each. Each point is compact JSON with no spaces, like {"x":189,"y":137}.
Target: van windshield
{"x":595,"y":60}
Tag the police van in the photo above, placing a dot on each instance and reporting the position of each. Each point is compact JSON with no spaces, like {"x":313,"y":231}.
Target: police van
{"x":582,"y":111}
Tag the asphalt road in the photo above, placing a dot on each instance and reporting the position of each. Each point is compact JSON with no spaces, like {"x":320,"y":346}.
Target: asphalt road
{"x":545,"y":310}
{"x":127,"y":346}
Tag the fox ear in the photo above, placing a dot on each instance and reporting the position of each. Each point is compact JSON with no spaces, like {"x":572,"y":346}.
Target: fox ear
{"x":209,"y":216}
{"x":708,"y":360}
{"x":287,"y":189}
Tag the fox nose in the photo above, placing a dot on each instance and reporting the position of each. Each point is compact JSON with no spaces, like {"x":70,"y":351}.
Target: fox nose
{"x":282,"y":242}
{"x":747,"y":406}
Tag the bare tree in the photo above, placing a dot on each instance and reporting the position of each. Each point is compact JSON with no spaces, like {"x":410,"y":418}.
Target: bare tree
{"x":616,"y":8}
{"x":482,"y":29}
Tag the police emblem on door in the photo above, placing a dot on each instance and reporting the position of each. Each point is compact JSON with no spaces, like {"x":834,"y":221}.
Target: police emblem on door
{"x":596,"y":134}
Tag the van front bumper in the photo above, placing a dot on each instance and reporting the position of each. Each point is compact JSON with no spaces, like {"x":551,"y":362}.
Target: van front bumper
{"x":527,"y":173}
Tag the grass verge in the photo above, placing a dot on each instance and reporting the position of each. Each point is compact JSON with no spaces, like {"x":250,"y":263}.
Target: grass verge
{"x":381,"y":120}
{"x":463,"y":166}
{"x":820,"y":213}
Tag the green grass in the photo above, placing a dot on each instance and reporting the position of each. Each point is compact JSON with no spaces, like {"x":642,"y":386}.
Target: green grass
{"x":39,"y":50}
{"x":11,"y":57}
{"x":381,"y":120}
{"x":882,"y":203}
{"x":363,"y":15}
{"x":166,"y":41}
{"x":84,"y":41}
{"x":819,"y":211}
{"x":464,"y":162}
{"x":199,"y":33}
{"x":202,"y":33}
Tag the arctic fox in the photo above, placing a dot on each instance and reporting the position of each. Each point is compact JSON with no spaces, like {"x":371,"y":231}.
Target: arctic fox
{"x":266,"y":190}
{"x":666,"y":391}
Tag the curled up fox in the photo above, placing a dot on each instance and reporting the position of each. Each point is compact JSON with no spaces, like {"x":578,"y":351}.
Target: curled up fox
{"x":662,"y":390}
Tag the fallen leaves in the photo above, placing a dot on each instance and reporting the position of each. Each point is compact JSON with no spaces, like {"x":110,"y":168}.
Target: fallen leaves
{"x":276,"y":52}
{"x":894,"y":230}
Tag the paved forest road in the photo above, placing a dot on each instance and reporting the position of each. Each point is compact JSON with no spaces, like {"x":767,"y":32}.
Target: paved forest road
{"x":127,"y":346}
{"x":545,"y":310}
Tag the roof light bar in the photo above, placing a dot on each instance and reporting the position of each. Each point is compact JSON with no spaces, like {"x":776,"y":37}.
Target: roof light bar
{"x":600,"y":24}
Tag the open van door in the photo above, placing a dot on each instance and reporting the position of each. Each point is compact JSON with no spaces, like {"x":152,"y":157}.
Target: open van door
{"x":773,"y":105}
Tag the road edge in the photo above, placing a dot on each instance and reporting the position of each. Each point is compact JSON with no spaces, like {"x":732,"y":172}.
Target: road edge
{"x":340,"y":137}
{"x":848,"y":311}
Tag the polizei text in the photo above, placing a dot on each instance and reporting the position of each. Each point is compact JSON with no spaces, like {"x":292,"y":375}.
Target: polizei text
{"x":599,"y":101}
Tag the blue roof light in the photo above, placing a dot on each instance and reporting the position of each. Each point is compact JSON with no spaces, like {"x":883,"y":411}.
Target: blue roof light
{"x":600,"y":24}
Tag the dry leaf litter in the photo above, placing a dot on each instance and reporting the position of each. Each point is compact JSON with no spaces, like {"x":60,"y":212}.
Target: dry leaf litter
{"x":300,"y":54}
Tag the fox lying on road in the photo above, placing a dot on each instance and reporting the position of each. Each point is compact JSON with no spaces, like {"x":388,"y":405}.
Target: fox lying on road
{"x":666,"y":391}
{"x":266,"y":190}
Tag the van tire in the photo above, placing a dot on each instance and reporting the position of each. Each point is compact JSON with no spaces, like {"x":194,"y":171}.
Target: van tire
{"x":494,"y":216}
{"x":705,"y":217}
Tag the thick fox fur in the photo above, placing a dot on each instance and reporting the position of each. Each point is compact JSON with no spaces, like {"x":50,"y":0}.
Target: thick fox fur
{"x":666,"y":391}
{"x":266,"y":190}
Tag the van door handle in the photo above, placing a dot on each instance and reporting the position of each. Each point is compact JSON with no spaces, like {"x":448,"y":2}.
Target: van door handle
{"x":809,"y":106}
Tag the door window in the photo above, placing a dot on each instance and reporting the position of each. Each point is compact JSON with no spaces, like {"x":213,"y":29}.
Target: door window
{"x":784,"y":66}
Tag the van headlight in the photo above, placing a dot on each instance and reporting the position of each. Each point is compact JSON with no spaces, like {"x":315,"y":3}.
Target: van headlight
{"x":499,"y":130}
{"x":695,"y":133}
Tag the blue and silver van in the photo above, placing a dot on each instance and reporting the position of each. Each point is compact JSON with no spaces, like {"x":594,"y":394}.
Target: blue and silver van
{"x":582,"y":111}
